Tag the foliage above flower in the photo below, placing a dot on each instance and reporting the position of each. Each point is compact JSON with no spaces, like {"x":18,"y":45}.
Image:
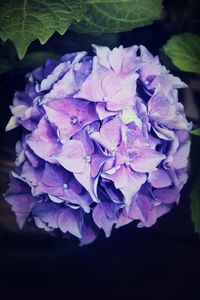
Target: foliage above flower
{"x":24,"y":21}
{"x":105,"y":143}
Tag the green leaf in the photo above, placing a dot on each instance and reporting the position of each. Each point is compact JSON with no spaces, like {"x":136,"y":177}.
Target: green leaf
{"x":23,"y":21}
{"x":35,"y":59}
{"x":184,"y":51}
{"x":196,"y":131}
{"x":107,"y":16}
{"x":5,"y":65}
{"x":195,"y":205}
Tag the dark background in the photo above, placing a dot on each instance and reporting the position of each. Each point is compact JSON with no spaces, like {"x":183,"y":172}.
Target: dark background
{"x":159,"y":262}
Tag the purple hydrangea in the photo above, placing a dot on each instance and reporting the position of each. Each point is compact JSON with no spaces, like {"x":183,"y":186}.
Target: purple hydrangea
{"x":105,"y":142}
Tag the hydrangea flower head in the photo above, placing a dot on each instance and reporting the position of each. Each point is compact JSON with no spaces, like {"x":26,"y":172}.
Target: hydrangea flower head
{"x":105,"y":142}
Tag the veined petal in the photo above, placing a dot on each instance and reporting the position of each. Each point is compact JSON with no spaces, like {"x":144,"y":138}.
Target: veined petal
{"x":72,"y":156}
{"x":147,"y":160}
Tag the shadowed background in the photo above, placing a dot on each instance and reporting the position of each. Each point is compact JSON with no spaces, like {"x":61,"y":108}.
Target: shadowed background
{"x":159,"y":262}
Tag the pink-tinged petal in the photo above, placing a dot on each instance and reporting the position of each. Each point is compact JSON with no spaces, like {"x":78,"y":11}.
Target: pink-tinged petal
{"x":116,"y":107}
{"x":167,"y":195}
{"x":120,"y":89}
{"x":121,"y":156}
{"x":102,"y":55}
{"x":111,"y":83}
{"x":180,"y":158}
{"x":145,"y":54}
{"x":122,"y":99}
{"x":59,"y":112}
{"x":70,"y":115}
{"x":72,"y":156}
{"x":43,"y":141}
{"x":135,"y":181}
{"x":110,"y":134}
{"x":91,"y":88}
{"x":154,"y":214}
{"x":150,"y":69}
{"x":159,"y":178}
{"x":116,"y":58}
{"x":87,"y":181}
{"x":122,"y":220}
{"x":119,"y":178}
{"x":147,"y":160}
{"x":131,"y":62}
{"x":101,"y":220}
{"x":103,"y":112}
{"x":133,"y":211}
{"x":163,"y":132}
{"x":159,"y":108}
{"x":151,"y":65}
{"x":70,"y":221}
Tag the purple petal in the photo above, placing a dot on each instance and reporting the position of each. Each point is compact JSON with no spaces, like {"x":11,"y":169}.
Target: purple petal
{"x":48,"y":213}
{"x":72,"y":156}
{"x":110,"y":134}
{"x":146,"y":160}
{"x":119,"y":177}
{"x":159,"y":178}
{"x":154,"y":214}
{"x":180,"y":158}
{"x":89,"y":231}
{"x":91,"y":88}
{"x":70,"y":115}
{"x":20,"y":198}
{"x":87,"y":181}
{"x":135,"y":181}
{"x":70,"y":221}
{"x":103,"y":112}
{"x":43,"y":141}
{"x":101,"y":220}
{"x":167,"y":195}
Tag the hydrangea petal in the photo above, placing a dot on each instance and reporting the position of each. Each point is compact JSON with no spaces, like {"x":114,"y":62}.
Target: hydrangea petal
{"x":159,"y":178}
{"x":101,"y":219}
{"x":72,"y":156}
{"x":43,"y":141}
{"x":146,"y":160}
{"x":69,"y":221}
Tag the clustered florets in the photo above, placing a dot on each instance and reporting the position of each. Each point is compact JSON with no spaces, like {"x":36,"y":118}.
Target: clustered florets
{"x":105,"y":142}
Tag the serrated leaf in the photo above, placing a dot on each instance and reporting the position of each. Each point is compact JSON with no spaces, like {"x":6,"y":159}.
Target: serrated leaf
{"x":196,"y":131}
{"x":23,"y":21}
{"x":35,"y":59}
{"x":195,"y":205}
{"x":107,"y":16}
{"x":184,"y":51}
